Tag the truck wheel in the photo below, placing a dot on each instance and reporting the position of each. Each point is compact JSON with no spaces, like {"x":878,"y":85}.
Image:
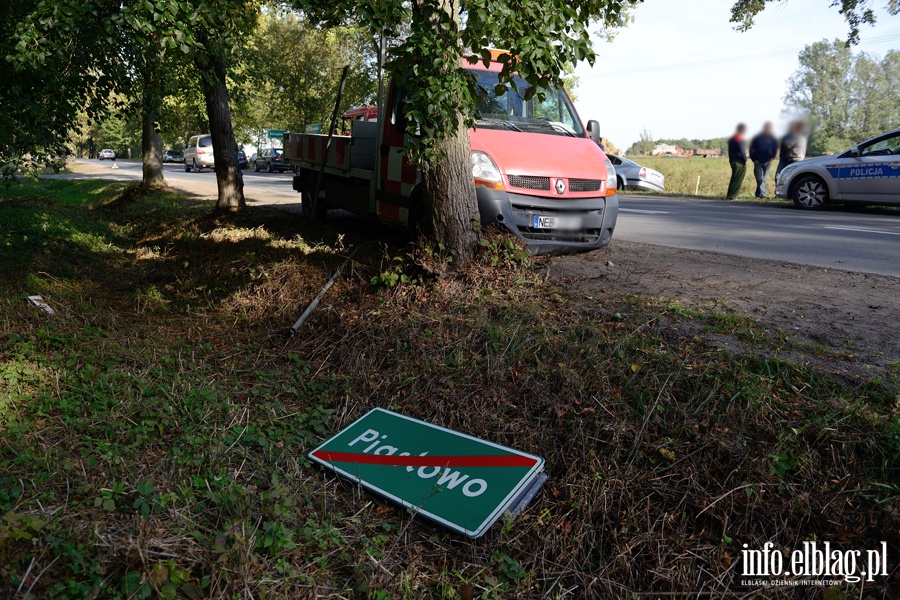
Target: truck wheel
{"x":187,"y":167}
{"x":810,"y":193}
{"x":306,"y":199}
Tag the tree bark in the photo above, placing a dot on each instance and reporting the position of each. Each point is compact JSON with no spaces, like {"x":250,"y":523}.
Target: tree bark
{"x":151,"y":147}
{"x":449,"y":192}
{"x":447,"y":185}
{"x":229,"y":178}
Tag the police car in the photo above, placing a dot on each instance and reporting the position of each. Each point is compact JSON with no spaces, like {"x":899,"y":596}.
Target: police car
{"x":868,"y":173}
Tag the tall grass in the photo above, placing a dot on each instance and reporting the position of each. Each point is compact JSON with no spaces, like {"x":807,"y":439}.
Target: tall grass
{"x":714,"y":173}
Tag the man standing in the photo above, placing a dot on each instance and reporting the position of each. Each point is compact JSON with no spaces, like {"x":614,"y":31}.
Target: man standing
{"x":737,"y":156}
{"x":793,"y":146}
{"x":763,"y":148}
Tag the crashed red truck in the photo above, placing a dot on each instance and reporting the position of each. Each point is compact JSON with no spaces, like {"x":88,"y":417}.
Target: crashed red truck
{"x":538,"y":171}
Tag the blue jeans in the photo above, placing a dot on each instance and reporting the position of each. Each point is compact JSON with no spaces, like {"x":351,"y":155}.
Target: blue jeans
{"x":761,"y":172}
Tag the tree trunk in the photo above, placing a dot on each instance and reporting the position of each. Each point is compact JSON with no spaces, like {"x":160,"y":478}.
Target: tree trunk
{"x":229,"y":178}
{"x":151,"y":150}
{"x":447,"y":185}
{"x":449,"y":193}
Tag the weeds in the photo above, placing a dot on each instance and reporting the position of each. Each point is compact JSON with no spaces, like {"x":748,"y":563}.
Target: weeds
{"x":153,"y":434}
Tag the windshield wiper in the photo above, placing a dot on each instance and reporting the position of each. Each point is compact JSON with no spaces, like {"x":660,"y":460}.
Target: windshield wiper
{"x":501,"y":122}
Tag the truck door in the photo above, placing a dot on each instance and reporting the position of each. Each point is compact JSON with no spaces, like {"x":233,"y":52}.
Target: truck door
{"x":398,"y":175}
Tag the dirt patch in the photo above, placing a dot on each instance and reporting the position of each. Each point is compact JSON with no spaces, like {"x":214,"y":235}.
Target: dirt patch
{"x":852,"y":317}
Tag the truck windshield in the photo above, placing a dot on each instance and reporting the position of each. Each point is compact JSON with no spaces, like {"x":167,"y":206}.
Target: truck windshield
{"x":553,"y":115}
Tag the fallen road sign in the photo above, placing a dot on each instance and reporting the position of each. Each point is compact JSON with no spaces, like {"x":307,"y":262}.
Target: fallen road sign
{"x":462,"y":482}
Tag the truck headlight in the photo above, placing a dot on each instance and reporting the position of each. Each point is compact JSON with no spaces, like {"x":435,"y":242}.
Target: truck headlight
{"x":611,"y":184}
{"x":485,"y":171}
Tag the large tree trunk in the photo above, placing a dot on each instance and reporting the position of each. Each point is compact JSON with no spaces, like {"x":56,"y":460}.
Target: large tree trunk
{"x":449,"y":193}
{"x":228,"y":175}
{"x":151,"y":150}
{"x":447,"y":185}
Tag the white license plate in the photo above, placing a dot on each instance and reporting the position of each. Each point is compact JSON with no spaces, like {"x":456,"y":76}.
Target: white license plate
{"x":565,"y":222}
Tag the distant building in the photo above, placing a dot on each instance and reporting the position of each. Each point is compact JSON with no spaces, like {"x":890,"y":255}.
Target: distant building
{"x":714,"y":153}
{"x":665,"y":149}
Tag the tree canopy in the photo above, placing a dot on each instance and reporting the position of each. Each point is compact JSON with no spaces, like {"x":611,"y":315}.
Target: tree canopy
{"x":847,"y":97}
{"x":856,"y":12}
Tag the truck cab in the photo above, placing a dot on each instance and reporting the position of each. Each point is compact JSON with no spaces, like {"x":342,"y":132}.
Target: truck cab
{"x":538,"y":171}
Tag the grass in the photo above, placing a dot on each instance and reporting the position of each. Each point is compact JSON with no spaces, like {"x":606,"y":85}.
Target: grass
{"x":153,"y":432}
{"x":714,"y":173}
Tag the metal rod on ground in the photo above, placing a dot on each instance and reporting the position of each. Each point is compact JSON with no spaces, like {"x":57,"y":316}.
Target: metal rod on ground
{"x":315,"y":302}
{"x":334,"y":118}
{"x":697,"y":190}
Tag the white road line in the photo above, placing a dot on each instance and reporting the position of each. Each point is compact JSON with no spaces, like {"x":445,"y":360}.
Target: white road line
{"x":863,"y":230}
{"x":643,"y":211}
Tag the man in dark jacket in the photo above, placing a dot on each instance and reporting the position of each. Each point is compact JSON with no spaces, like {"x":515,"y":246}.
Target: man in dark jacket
{"x":763,"y":149}
{"x":737,"y":156}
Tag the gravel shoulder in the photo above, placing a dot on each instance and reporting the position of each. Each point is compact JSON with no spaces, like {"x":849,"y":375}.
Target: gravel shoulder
{"x":846,"y":322}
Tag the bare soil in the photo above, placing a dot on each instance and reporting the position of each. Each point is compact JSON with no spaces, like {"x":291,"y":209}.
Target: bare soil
{"x":846,"y":322}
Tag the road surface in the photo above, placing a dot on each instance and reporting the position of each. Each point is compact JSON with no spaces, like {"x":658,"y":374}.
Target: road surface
{"x":860,"y":240}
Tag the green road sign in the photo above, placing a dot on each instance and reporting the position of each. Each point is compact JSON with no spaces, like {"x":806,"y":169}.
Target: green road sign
{"x":276,"y":133}
{"x":457,"y":480}
{"x":314,"y":128}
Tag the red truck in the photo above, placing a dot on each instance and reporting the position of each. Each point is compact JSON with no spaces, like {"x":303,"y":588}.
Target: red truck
{"x":538,"y":171}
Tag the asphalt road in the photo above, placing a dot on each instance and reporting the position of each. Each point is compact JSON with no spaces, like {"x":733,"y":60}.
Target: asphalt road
{"x":865,"y":240}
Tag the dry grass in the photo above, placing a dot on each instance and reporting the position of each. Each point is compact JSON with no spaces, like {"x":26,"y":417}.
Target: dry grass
{"x":714,"y":173}
{"x":153,"y":434}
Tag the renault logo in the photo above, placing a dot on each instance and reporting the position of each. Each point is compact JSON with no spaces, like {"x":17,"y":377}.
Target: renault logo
{"x":560,"y":186}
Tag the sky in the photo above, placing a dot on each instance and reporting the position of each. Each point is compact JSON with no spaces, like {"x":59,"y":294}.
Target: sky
{"x":644,"y":79}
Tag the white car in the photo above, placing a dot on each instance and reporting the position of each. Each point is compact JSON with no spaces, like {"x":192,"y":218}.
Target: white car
{"x":198,"y":153}
{"x":632,"y":176}
{"x":868,"y":173}
{"x":107,"y":154}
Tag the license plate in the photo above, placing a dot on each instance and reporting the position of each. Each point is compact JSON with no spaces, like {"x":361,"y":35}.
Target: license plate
{"x":564,"y":222}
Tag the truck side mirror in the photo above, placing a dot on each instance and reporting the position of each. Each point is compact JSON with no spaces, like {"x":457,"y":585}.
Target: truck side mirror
{"x":593,"y":128}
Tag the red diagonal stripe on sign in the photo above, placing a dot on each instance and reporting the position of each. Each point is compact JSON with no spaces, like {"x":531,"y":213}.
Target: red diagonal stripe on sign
{"x":509,"y":460}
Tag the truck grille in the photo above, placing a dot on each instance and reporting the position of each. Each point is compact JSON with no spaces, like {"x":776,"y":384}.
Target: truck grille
{"x":529,"y":182}
{"x":585,"y":185}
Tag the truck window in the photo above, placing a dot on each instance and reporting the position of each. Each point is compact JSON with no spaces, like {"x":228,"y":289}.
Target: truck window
{"x":205,"y":141}
{"x":552,"y":114}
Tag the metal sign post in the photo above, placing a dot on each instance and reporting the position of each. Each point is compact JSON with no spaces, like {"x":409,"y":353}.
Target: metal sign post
{"x":462,"y":482}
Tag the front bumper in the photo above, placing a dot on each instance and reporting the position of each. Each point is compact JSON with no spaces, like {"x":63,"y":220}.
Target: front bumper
{"x":516,"y":212}
{"x":643,"y":184}
{"x":781,"y":187}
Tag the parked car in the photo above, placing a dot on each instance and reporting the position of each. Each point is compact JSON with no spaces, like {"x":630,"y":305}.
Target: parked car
{"x":868,"y":173}
{"x":632,"y":176}
{"x":243,"y":163}
{"x":198,"y":153}
{"x":173,"y":156}
{"x":271,"y":159}
{"x":107,"y":154}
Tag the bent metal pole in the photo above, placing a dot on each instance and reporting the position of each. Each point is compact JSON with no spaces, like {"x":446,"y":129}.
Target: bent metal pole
{"x":334,"y":118}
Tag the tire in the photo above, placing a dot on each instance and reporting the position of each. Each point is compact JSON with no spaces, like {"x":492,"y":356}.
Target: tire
{"x":620,"y":184}
{"x":306,"y":203}
{"x":187,"y":167}
{"x":810,"y":193}
{"x":255,"y":167}
{"x":269,"y":167}
{"x":197,"y":167}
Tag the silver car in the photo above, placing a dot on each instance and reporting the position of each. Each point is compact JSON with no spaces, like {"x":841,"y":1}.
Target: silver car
{"x":868,"y":173}
{"x":632,"y":176}
{"x":198,"y":153}
{"x":107,"y":154}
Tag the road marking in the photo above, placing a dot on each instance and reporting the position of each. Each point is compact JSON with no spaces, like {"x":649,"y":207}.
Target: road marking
{"x":863,"y":230}
{"x":643,"y":211}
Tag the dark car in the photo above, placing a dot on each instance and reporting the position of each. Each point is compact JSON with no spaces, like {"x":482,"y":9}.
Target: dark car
{"x":243,"y":163}
{"x":173,"y":156}
{"x":270,"y":159}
